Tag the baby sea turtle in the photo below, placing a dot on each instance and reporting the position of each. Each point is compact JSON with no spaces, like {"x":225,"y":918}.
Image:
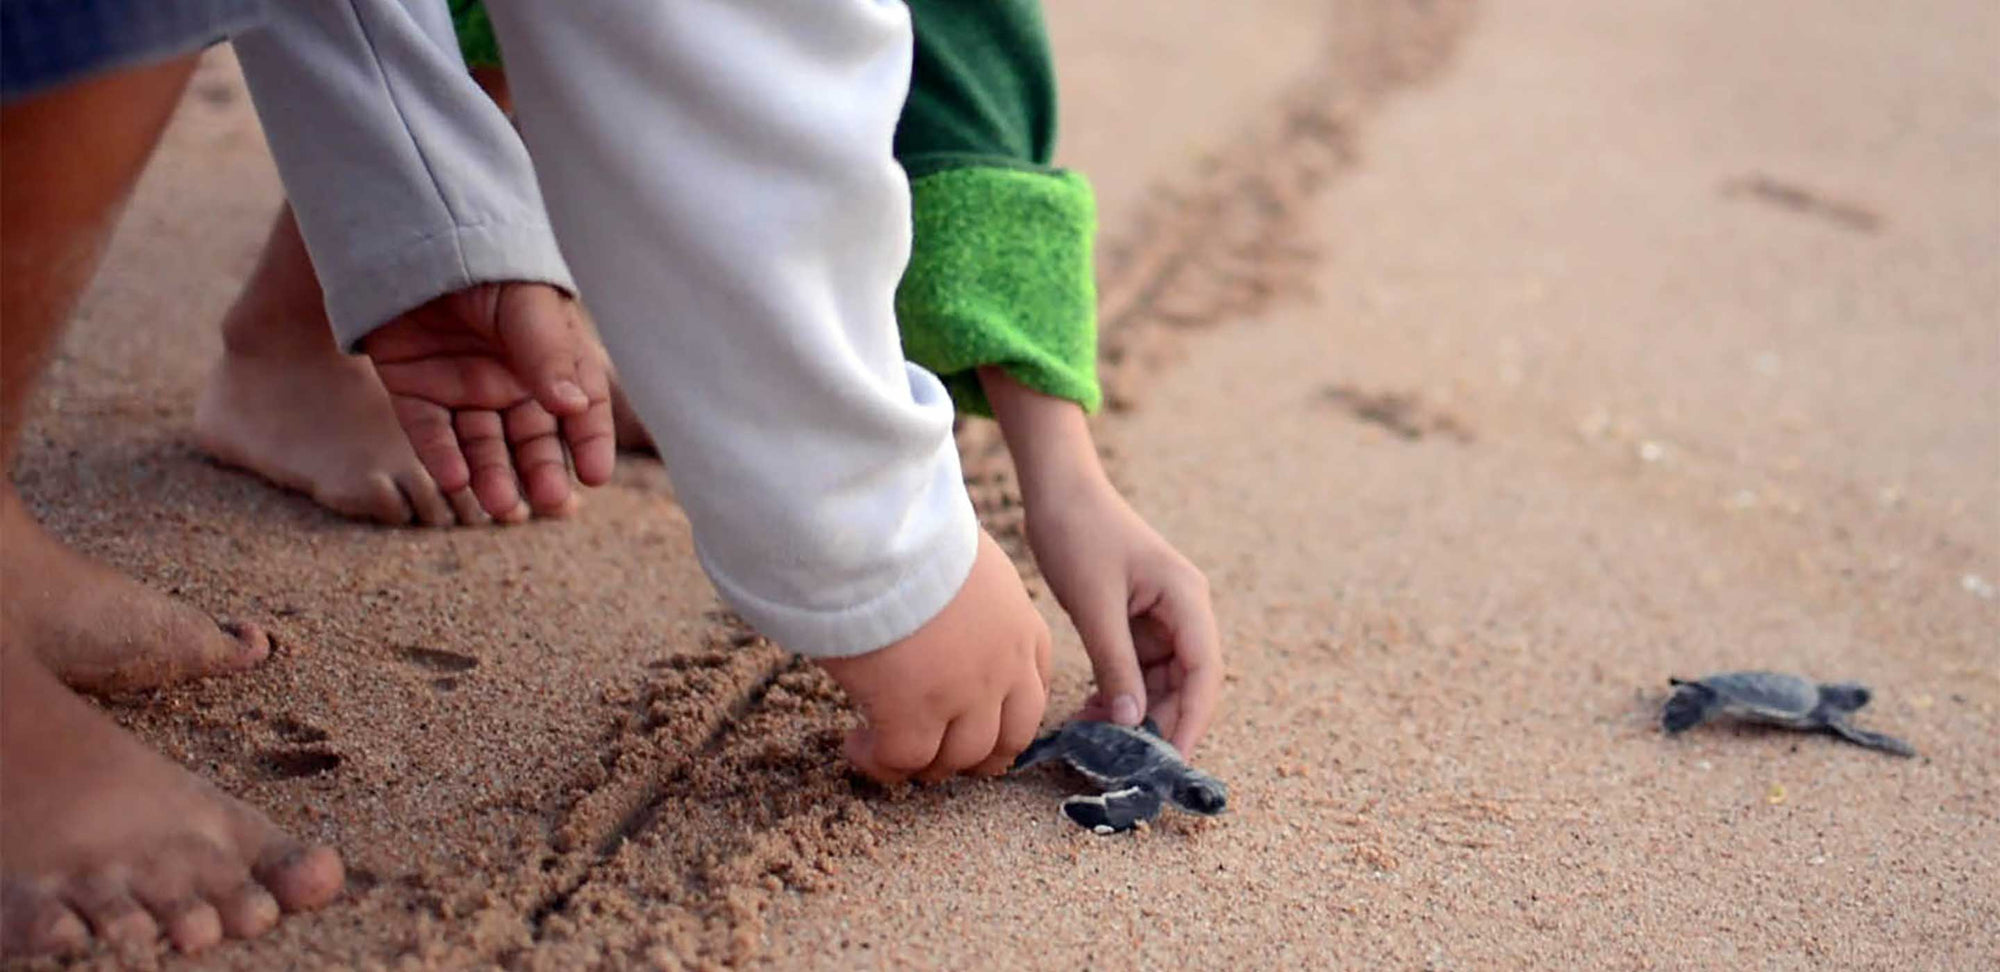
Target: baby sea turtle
{"x":1776,"y":699}
{"x":1139,"y":771}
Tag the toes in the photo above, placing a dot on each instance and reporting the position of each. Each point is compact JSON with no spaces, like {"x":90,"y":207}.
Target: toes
{"x":302,"y":878}
{"x":466,"y":506}
{"x":33,"y":922}
{"x":243,"y":908}
{"x":373,"y":497}
{"x":252,"y":645}
{"x":246,"y":910}
{"x":114,"y":914}
{"x":191,"y":924}
{"x":421,"y":494}
{"x":167,"y":888}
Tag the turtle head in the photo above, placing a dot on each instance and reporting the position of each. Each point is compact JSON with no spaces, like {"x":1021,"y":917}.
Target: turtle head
{"x":1201,"y":793}
{"x":1844,"y":696}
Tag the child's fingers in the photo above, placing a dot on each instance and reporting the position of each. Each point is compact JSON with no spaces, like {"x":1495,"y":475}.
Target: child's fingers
{"x":892,"y":755}
{"x":546,"y":347}
{"x":1107,"y":638}
{"x":1020,"y":719}
{"x":593,"y":443}
{"x":968,"y":741}
{"x":1044,"y":647}
{"x":538,"y":457}
{"x":1198,"y":653}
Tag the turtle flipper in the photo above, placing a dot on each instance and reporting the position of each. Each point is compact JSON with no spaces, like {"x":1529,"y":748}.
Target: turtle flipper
{"x":1872,"y":740}
{"x":1040,"y":751}
{"x":1114,"y":812}
{"x":1687,"y":707}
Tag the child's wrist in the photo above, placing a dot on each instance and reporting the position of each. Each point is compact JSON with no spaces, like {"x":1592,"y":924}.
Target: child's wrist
{"x":1048,"y":437}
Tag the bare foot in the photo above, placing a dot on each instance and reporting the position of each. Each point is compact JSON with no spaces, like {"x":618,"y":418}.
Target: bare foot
{"x":318,"y":422}
{"x":99,"y":630}
{"x":286,"y":404}
{"x":632,"y":436}
{"x":102,"y":838}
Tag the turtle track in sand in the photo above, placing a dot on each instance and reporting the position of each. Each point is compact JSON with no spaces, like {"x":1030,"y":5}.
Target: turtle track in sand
{"x":633,"y":873}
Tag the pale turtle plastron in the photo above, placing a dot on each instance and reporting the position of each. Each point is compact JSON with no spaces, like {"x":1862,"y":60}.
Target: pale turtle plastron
{"x":1140,"y":774}
{"x":1776,"y":699}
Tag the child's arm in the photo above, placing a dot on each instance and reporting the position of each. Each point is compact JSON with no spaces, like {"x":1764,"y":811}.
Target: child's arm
{"x":418,"y":205}
{"x":998,"y":299}
{"x":719,"y":174}
{"x":1142,"y":609}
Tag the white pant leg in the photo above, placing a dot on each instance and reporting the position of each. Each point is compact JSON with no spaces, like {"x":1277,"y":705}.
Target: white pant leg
{"x":720,"y":175}
{"x":407,"y":181}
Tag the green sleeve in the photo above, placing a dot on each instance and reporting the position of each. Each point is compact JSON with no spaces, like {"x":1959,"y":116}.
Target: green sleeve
{"x":476,"y":42}
{"x":1000,"y":272}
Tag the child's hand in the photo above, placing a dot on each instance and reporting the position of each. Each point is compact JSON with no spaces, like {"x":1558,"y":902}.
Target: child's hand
{"x":500,"y":387}
{"x":1143,"y":610}
{"x":964,"y":693}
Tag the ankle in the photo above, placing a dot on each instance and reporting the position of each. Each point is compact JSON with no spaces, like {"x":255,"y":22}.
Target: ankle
{"x":260,"y":326}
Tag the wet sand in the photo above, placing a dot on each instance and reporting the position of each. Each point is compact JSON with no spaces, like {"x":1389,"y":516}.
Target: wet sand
{"x":1495,"y":363}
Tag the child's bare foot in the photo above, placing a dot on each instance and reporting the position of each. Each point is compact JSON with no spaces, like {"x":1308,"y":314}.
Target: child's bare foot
{"x":632,"y":436}
{"x":286,"y":404}
{"x":102,"y":838}
{"x":99,"y":630}
{"x":318,"y":422}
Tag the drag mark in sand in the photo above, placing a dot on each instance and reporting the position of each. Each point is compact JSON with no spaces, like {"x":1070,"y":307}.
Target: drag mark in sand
{"x":655,"y":794}
{"x":1231,"y":241}
{"x":1404,"y":415}
{"x":1806,"y":202}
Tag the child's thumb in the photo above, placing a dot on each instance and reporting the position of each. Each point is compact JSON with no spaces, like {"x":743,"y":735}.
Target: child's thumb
{"x":1107,"y":639}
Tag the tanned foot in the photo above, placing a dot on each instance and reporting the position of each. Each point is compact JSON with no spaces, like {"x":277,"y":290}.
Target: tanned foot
{"x":104,"y":839}
{"x":99,"y":630}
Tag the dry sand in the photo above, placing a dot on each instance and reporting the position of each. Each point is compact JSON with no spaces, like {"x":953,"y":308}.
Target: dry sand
{"x":1639,"y":338}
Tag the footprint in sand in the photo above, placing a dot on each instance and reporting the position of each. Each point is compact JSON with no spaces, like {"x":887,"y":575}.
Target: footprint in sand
{"x":294,"y":764}
{"x":437,"y":659}
{"x":294,"y":731}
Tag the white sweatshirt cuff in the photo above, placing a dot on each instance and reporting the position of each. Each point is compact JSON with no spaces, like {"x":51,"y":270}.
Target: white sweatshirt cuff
{"x":908,"y":603}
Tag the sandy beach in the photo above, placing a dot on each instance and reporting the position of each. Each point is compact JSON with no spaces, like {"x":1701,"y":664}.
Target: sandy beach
{"x":1496,"y":360}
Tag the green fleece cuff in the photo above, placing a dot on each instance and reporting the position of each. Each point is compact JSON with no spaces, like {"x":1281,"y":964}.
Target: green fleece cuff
{"x":475,"y":34}
{"x":1000,"y":274}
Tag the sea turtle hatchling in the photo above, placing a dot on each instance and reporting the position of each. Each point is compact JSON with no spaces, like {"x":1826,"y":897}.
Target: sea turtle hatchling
{"x":1139,"y":772}
{"x":1777,"y":699}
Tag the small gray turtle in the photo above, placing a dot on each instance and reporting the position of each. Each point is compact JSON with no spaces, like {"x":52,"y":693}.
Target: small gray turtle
{"x":1139,"y":771}
{"x":1776,"y":699}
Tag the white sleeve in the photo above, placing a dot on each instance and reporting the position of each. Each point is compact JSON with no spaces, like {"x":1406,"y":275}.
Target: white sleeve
{"x":408,"y":182}
{"x":720,"y":175}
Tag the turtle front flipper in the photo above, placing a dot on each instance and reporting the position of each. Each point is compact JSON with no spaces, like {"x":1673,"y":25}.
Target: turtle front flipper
{"x":1872,"y":740}
{"x":1114,"y":812}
